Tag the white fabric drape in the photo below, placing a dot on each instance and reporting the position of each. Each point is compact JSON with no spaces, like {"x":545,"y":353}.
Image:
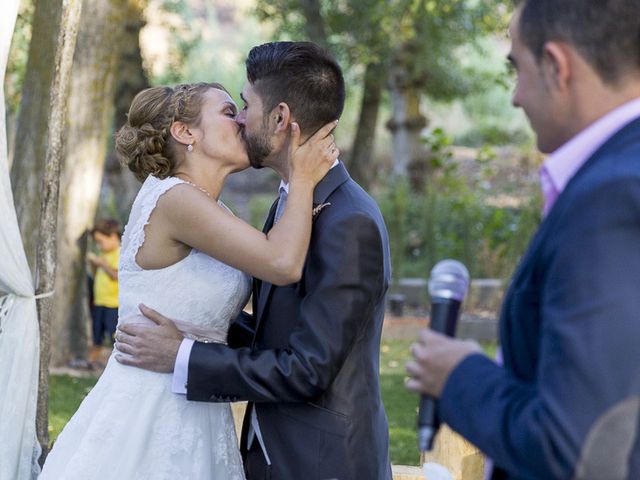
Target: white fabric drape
{"x":19,"y":334}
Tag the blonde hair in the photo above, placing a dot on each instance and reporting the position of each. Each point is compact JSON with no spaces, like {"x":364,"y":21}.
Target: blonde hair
{"x":144,"y":143}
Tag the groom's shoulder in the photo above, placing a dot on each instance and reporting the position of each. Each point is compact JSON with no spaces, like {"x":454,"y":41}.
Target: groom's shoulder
{"x":360,"y":198}
{"x":351,"y":201}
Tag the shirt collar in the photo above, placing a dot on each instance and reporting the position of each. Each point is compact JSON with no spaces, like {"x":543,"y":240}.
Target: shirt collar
{"x":285,"y":186}
{"x":563,"y":164}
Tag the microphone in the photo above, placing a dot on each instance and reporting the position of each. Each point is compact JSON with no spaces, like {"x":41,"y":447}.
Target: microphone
{"x":448,"y":285}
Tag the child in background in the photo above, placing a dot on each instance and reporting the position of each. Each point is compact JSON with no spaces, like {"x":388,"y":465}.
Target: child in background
{"x":106,"y":234}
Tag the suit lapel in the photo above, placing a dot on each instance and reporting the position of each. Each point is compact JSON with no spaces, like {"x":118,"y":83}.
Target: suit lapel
{"x":261,"y":288}
{"x":556,"y":214}
{"x":332,"y":180}
{"x":263,"y":296}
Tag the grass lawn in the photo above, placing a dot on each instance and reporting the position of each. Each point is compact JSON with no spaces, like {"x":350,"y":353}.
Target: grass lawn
{"x":66,"y":393}
{"x":400,"y":404}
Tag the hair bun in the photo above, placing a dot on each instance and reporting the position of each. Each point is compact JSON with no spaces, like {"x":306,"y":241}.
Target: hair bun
{"x":141,"y":149}
{"x":144,"y":143}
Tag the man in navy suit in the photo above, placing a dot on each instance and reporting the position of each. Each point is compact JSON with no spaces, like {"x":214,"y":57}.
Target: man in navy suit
{"x":566,"y":403}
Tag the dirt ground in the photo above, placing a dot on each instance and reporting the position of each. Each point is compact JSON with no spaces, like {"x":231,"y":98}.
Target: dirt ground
{"x":404,"y":328}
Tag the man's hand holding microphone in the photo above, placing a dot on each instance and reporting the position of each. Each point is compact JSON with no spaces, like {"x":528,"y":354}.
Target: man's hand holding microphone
{"x":436,"y":354}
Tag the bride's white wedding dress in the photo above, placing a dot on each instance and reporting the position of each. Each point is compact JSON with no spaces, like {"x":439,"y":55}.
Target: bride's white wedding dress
{"x":131,"y":426}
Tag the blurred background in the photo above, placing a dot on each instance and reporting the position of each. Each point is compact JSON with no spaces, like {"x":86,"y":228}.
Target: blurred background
{"x":428,"y":128}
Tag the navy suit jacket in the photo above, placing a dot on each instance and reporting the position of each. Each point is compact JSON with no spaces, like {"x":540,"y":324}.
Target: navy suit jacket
{"x":566,"y":404}
{"x":310,"y":368}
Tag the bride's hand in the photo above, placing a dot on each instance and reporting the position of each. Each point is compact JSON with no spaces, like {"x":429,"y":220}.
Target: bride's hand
{"x":312,"y":160}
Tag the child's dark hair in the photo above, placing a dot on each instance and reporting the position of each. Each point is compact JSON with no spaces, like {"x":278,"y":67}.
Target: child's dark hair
{"x":108,"y":227}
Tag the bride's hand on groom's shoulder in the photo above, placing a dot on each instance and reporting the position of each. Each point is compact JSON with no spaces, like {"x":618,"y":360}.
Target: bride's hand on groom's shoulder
{"x":151,"y":347}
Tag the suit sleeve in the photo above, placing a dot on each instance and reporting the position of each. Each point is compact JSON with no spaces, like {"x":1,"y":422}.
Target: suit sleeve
{"x":241,"y":331}
{"x":344,"y":280}
{"x":576,"y":415}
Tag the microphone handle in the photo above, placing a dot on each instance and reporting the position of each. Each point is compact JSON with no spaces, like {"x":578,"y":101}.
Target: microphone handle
{"x":444,"y":318}
{"x":444,"y":315}
{"x":428,"y":423}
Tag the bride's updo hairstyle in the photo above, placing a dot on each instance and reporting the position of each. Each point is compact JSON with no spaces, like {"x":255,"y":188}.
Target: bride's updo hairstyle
{"x":144,"y":143}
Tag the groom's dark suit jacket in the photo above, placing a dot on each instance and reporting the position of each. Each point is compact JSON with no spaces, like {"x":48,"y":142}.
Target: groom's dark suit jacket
{"x":311,"y":369}
{"x":567,"y":402}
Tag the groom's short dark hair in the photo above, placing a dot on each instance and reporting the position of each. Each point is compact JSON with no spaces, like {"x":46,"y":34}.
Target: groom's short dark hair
{"x":302,"y":75}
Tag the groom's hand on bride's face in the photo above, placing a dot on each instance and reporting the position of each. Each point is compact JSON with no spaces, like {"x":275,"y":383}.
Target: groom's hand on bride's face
{"x":152,"y":347}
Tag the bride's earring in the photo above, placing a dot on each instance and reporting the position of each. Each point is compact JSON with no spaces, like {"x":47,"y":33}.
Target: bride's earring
{"x":190,"y":148}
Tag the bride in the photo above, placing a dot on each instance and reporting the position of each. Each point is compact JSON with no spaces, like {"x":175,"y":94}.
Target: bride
{"x":185,"y":254}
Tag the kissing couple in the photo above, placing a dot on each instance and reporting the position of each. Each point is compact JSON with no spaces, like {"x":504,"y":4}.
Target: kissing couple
{"x":306,"y":358}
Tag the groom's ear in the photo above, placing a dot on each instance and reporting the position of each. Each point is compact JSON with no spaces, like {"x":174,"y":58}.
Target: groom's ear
{"x":281,"y":116}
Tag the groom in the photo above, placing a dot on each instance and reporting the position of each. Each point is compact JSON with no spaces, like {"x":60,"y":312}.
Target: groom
{"x":307,"y":359}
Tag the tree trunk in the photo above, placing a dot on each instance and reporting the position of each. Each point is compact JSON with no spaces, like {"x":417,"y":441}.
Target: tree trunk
{"x":30,"y":141}
{"x":69,"y":13}
{"x":120,"y":186}
{"x":361,"y":156}
{"x":89,"y":124}
{"x":361,"y":162}
{"x":407,"y":121}
{"x":314,"y":25}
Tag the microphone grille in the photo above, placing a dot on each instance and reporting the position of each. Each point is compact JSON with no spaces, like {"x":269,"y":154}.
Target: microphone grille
{"x":449,"y":279}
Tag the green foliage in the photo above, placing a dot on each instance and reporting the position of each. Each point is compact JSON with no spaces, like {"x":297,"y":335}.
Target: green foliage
{"x":259,"y":209}
{"x":488,"y":107}
{"x":184,"y":34}
{"x":208,"y":44}
{"x":18,"y":56}
{"x":453,"y":218}
{"x":395,"y":203}
{"x":493,"y":133}
{"x":430,"y":33}
{"x":421,"y":34}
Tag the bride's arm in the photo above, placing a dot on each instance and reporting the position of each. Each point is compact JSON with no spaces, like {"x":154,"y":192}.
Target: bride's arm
{"x":277,"y":256}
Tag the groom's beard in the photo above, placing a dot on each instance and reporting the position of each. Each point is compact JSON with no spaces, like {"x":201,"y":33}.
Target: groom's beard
{"x":258,"y":146}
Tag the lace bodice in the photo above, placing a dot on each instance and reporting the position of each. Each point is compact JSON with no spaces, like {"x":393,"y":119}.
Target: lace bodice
{"x":199,"y":292}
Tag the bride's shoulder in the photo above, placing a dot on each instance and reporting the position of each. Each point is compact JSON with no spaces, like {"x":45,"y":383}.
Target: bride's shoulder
{"x":155,"y":183}
{"x":152,"y":191}
{"x":176,"y":196}
{"x":154,"y":188}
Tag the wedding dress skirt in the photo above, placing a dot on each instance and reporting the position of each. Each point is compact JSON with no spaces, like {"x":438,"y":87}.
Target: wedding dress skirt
{"x":131,"y":426}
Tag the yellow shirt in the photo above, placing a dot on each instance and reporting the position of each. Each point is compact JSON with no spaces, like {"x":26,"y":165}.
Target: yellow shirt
{"x":105,"y":288}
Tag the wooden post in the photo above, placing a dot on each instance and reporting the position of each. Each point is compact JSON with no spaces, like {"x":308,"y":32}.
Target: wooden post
{"x":463,"y":460}
{"x":46,"y":250}
{"x":238,"y":409}
{"x":405,"y":472}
